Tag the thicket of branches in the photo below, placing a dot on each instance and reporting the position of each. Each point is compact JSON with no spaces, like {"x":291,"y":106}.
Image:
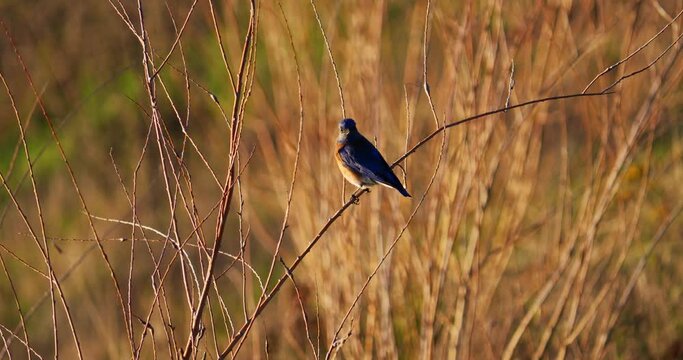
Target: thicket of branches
{"x":205,"y":217}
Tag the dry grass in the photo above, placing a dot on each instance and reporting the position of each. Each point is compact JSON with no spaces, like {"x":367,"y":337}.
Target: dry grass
{"x":169,"y":187}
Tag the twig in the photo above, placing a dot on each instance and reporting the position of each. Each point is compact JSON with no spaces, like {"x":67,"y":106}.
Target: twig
{"x":489,"y":113}
{"x":334,"y":64}
{"x":14,"y":336}
{"x":45,"y":249}
{"x":649,"y":65}
{"x":26,"y":341}
{"x":511,"y":83}
{"x":301,"y":305}
{"x":222,"y":48}
{"x":639,"y":49}
{"x":176,"y":41}
{"x":285,"y":218}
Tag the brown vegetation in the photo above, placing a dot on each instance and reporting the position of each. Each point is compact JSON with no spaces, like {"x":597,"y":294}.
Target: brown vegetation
{"x":169,"y":189}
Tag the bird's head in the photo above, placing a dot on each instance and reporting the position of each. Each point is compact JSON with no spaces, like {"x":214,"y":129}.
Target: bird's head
{"x":347,"y":128}
{"x":347,"y":125}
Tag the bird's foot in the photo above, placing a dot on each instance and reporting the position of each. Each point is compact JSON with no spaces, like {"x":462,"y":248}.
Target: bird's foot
{"x":355,"y":200}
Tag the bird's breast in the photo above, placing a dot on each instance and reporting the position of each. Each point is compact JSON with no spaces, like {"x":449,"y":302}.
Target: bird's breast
{"x":349,"y":174}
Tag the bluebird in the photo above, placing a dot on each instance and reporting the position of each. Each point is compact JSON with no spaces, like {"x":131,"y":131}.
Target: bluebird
{"x":360,"y":162}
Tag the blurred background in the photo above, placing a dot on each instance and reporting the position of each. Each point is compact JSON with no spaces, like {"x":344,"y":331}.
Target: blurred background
{"x":548,"y":231}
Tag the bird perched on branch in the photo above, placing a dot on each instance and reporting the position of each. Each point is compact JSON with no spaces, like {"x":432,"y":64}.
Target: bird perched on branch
{"x":360,"y":162}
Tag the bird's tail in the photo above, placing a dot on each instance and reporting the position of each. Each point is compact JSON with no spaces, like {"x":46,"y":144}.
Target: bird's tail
{"x":394,"y":182}
{"x":403,"y":191}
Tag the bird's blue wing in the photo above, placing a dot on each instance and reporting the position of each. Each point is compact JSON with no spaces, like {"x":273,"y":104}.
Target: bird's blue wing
{"x":365,"y":159}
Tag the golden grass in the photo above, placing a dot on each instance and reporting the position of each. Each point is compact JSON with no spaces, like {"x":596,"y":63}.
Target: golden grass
{"x":548,"y":230}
